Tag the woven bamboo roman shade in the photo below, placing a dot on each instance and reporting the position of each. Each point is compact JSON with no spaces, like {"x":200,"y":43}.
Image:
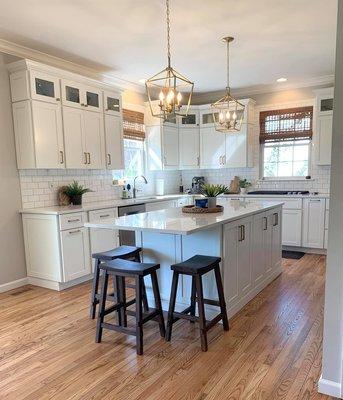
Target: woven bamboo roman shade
{"x":287,"y":124}
{"x":133,"y":125}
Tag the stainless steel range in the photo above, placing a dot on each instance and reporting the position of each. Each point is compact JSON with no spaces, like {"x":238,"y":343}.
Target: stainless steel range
{"x":279,"y":192}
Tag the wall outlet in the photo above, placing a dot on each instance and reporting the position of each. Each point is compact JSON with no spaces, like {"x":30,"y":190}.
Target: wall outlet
{"x":52,"y":186}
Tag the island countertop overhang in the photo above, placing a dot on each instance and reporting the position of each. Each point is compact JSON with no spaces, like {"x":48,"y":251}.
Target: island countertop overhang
{"x":174,"y":221}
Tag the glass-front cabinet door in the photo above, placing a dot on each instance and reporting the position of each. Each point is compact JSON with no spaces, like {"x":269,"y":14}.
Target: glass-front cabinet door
{"x":191,"y":119}
{"x":92,"y":99}
{"x":71,"y":93}
{"x":207,"y":118}
{"x":44,"y":87}
{"x":112,"y":103}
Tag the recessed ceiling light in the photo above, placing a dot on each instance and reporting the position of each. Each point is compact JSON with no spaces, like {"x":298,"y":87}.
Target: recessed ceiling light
{"x":281,"y":80}
{"x":142,"y":81}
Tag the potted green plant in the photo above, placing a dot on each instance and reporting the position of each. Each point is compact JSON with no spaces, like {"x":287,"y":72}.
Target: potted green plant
{"x":244,"y":184}
{"x":75,"y":191}
{"x":211,"y":192}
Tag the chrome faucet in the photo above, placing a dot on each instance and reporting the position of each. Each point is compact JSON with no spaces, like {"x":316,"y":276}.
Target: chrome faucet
{"x":134,"y":185}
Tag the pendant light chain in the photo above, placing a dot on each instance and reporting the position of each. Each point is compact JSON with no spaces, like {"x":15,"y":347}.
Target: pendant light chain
{"x":228,"y":65}
{"x":168,"y":33}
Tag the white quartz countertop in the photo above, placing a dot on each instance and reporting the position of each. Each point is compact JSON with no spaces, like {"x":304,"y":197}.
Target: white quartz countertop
{"x":176,"y":222}
{"x":57,"y":210}
{"x":277,"y":196}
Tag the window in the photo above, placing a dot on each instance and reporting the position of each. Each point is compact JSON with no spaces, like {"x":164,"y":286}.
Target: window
{"x":134,"y":136}
{"x":133,"y":158}
{"x":285,"y":136}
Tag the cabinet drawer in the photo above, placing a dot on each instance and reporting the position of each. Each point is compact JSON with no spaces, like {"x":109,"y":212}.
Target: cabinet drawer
{"x":102,"y":215}
{"x":289,"y":204}
{"x":71,"y":221}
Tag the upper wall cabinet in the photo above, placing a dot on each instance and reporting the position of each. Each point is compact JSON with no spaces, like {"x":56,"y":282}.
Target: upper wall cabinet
{"x":112,"y":103}
{"x":77,"y":95}
{"x":323,"y":125}
{"x":39,"y":93}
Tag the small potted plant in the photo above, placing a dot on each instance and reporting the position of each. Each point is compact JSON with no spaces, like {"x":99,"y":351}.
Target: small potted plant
{"x":211,"y":192}
{"x":244,"y":184}
{"x":75,"y":191}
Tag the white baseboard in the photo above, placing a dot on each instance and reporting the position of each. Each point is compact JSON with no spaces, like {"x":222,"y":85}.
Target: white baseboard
{"x":330,"y":388}
{"x":53,"y":285}
{"x":308,"y":250}
{"x":13,"y":285}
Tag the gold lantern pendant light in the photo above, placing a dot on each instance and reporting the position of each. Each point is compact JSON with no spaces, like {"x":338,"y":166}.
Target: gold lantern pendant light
{"x":228,"y":113}
{"x":169,"y":92}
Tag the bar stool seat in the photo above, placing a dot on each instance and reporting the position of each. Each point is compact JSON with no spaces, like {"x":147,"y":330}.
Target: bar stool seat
{"x":196,"y":267}
{"x":121,"y":269}
{"x":118,"y":252}
{"x":125,"y":252}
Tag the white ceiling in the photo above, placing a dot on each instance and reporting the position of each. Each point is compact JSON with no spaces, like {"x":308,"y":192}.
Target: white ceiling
{"x":126,"y":38}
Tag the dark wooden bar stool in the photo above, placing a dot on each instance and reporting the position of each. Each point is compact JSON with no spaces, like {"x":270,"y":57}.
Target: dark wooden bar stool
{"x":196,"y":267}
{"x":124,"y":252}
{"x":121,"y":269}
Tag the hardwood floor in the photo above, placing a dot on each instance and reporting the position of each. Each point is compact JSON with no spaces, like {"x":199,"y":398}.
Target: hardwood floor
{"x":272,"y":351}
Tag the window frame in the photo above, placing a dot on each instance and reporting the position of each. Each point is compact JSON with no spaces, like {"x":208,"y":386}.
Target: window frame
{"x":285,"y":178}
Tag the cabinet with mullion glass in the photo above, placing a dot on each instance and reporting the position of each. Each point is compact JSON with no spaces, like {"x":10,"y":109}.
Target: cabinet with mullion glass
{"x":112,"y":103}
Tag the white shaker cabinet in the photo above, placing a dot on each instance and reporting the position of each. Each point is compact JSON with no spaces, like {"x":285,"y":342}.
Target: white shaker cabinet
{"x":237,"y":253}
{"x":313,"y":223}
{"x":83,"y":137}
{"x":189,"y":146}
{"x":38,"y":134}
{"x":212,"y":148}
{"x":93,"y":125}
{"x":57,"y":249}
{"x":114,"y":141}
{"x":170,"y":141}
{"x":238,"y":148}
{"x":291,"y":227}
{"x":103,"y":239}
{"x":45,"y":87}
{"x":324,"y":139}
{"x":75,"y":253}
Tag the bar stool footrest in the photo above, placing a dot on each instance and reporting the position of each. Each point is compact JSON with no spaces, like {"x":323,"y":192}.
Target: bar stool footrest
{"x":118,"y":328}
{"x":213,"y":322}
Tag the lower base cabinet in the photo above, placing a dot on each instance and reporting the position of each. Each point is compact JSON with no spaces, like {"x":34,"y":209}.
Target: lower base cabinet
{"x":57,"y":249}
{"x":251,"y":255}
{"x":75,"y":253}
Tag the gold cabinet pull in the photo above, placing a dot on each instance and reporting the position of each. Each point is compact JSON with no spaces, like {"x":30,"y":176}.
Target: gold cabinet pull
{"x":86,"y":158}
{"x":62,"y":157}
{"x":265,"y":220}
{"x":109,"y":159}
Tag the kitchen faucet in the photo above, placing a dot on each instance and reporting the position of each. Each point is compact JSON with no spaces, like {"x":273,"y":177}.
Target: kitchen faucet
{"x":134,"y":185}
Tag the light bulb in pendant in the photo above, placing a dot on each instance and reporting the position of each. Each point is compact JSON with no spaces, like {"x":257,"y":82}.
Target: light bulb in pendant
{"x":179,"y":98}
{"x":234,"y":116}
{"x":228,"y":115}
{"x":161,"y":97}
{"x":221,"y":117}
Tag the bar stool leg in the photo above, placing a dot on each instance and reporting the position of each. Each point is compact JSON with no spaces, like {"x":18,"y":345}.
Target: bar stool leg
{"x":193,"y":299}
{"x":122,"y":311}
{"x":158,"y":303}
{"x":144,"y":296}
{"x":117,"y":297}
{"x":139,"y":316}
{"x":101,"y":316}
{"x":95,"y":286}
{"x":172,"y":305}
{"x":221,"y":298}
{"x":202,"y":319}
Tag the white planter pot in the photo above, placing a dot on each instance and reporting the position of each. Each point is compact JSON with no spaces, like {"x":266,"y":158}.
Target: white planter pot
{"x":212,"y":202}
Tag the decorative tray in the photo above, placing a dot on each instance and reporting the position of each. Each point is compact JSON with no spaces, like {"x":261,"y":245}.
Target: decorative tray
{"x":198,"y":210}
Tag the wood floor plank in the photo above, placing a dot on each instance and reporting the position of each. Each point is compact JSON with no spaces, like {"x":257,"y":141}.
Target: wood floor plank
{"x":272,"y":350}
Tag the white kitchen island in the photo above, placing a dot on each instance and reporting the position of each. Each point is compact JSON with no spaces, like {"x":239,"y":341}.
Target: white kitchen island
{"x":247,"y":236}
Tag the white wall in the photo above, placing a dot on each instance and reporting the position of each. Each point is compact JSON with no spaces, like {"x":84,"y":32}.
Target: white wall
{"x":12,"y":261}
{"x":331,"y":382}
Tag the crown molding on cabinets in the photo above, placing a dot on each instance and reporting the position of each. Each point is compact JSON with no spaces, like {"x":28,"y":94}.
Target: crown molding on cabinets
{"x":207,"y":97}
{"x":17,"y":50}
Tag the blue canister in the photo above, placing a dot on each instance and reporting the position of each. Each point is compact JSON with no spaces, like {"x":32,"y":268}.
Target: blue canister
{"x":201,"y":203}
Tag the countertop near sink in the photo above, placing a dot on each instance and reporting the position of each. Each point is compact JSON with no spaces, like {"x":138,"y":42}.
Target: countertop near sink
{"x":275,"y":196}
{"x":57,"y":210}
